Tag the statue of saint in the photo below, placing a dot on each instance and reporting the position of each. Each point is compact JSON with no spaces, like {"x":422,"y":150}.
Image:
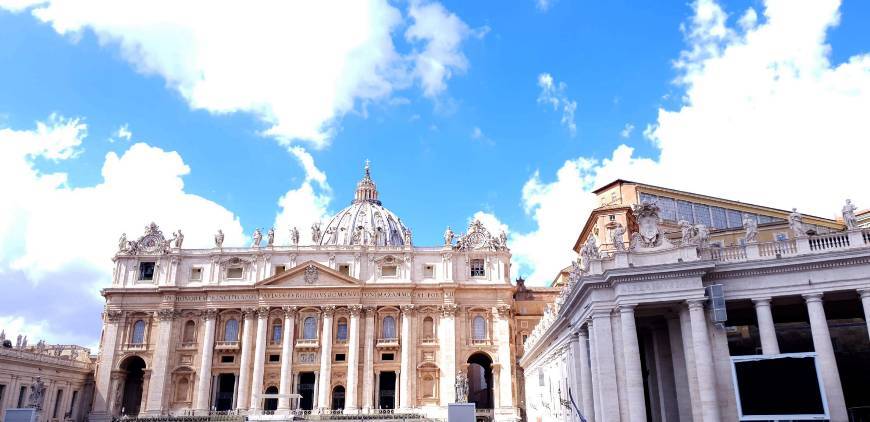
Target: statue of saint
{"x":258,"y":237}
{"x":686,"y":233}
{"x":294,"y":235}
{"x":407,"y":236}
{"x":219,"y":239}
{"x":37,"y":393}
{"x":616,"y":237}
{"x":502,"y":239}
{"x":588,"y":252}
{"x":122,"y":242}
{"x":750,"y":225}
{"x":315,"y":233}
{"x":179,"y":238}
{"x":849,"y":218}
{"x":795,"y":223}
{"x":270,"y":237}
{"x":461,"y":388}
{"x":448,"y":237}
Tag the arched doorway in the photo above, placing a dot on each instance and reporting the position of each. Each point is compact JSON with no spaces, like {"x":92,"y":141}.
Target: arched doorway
{"x":387,"y":390}
{"x":134,"y":366}
{"x":271,"y":403}
{"x":338,"y":397}
{"x":480,"y":380}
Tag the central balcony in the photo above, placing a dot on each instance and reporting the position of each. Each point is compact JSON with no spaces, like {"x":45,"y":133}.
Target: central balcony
{"x":226,"y":345}
{"x":135,"y":347}
{"x":306,"y":343}
{"x":389,"y":342}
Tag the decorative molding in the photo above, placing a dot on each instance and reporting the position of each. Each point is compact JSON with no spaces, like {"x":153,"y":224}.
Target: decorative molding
{"x":263,"y":312}
{"x":355,"y":310}
{"x":407,"y":309}
{"x":167,"y":314}
{"x":328,"y":310}
{"x":209,"y":314}
{"x":248,"y":313}
{"x":113,"y":316}
{"x":290,"y":311}
{"x":787,"y":268}
{"x":448,"y":310}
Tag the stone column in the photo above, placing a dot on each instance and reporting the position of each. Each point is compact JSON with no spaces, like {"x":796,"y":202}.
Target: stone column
{"x":766,"y":328}
{"x":350,"y":405}
{"x":160,"y":363}
{"x":503,"y":350}
{"x":244,"y":391}
{"x":325,"y":377}
{"x":407,"y":365}
{"x":633,"y":371}
{"x":825,"y":357}
{"x":315,"y":399}
{"x":705,"y":369}
{"x":585,"y":375}
{"x":256,"y":404}
{"x":447,"y":352}
{"x":286,"y":358}
{"x":865,"y":301}
{"x":103,"y":378}
{"x":680,"y":366}
{"x":608,"y":391}
{"x":369,"y":360}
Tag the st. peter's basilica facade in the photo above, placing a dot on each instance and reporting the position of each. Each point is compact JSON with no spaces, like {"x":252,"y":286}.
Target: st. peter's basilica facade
{"x":353,"y":319}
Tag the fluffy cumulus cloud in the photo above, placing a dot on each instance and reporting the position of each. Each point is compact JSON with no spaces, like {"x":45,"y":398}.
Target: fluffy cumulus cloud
{"x":766,"y":118}
{"x":57,"y":238}
{"x":554,"y":94}
{"x":298,"y":66}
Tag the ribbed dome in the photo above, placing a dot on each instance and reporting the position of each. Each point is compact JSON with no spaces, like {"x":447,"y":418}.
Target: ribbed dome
{"x":365,"y":221}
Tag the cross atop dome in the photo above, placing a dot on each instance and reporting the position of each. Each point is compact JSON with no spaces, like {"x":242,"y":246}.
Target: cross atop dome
{"x":366,"y":190}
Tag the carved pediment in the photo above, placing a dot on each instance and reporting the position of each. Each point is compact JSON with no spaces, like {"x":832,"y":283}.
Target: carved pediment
{"x":309,"y":274}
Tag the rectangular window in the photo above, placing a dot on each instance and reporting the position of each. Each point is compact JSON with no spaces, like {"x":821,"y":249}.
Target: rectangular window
{"x":72,"y":404}
{"x":477,"y":268}
{"x":762,"y":219}
{"x":735,"y":219}
{"x":344,"y":269}
{"x":274,"y":358}
{"x":387,"y":356}
{"x":146,"y":271}
{"x":428,"y":271}
{"x":21,"y":395}
{"x":227,"y":359}
{"x":684,"y":211}
{"x":720,"y":221}
{"x":195,"y":274}
{"x":645,"y":197}
{"x":388,"y":271}
{"x":668,"y":208}
{"x":340,"y":357}
{"x":234,"y":273}
{"x":702,"y":215}
{"x":57,"y":401}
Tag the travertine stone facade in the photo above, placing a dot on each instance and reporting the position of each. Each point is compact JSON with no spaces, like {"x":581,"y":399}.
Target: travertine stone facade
{"x":355,"y":320}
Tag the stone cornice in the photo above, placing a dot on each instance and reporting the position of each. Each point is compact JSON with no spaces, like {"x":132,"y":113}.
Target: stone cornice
{"x":780,"y":267}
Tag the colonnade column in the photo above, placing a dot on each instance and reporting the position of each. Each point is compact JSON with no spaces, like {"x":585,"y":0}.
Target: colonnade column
{"x":865,"y":300}
{"x":286,"y":377}
{"x":325,"y":377}
{"x":825,"y":357}
{"x":369,"y":360}
{"x":447,"y":349}
{"x":705,"y":368}
{"x":766,"y":328}
{"x":608,"y":391}
{"x":352,"y":360}
{"x":407,"y":367}
{"x":243,"y":393}
{"x":203,"y":385}
{"x":103,"y":378}
{"x":633,"y":370}
{"x":259,"y":360}
{"x":503,"y":350}
{"x":160,"y":362}
{"x":585,"y":374}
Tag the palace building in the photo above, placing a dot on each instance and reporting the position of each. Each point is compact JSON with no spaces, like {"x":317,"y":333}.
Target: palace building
{"x":356,"y":319}
{"x":686,"y":307}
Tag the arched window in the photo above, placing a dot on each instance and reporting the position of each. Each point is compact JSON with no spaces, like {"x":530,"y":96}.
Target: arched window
{"x":309,"y":328}
{"x":138,"y":332}
{"x":181,"y":389}
{"x":478,"y":328}
{"x":428,"y":328}
{"x":389,"y":327}
{"x":341,"y":332}
{"x":231,"y":330}
{"x":276,"y":331}
{"x":189,"y":332}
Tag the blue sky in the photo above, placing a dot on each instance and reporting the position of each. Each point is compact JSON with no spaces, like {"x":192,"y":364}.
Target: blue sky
{"x":464,"y":109}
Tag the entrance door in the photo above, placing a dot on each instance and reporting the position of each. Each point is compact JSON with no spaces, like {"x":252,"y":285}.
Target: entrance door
{"x":338,"y":397}
{"x":387,"y":390}
{"x":132,"y":400}
{"x":306,"y":390}
{"x":480,"y":380}
{"x":224,"y":398}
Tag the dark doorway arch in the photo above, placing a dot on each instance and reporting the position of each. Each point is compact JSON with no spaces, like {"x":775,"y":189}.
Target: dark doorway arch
{"x":338,"y":397}
{"x":134,"y":366}
{"x":480,"y":380}
{"x":306,"y":390}
{"x":271,"y":404}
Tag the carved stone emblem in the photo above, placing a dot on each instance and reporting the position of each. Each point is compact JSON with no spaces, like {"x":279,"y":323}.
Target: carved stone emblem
{"x":311,"y":274}
{"x":649,"y":235}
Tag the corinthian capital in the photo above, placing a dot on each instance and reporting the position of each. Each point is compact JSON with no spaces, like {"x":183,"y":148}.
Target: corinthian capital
{"x":408,"y":309}
{"x":328,"y":310}
{"x":289,"y":311}
{"x":248,"y":313}
{"x":263,"y":312}
{"x":355,"y":310}
{"x":449,"y":310}
{"x":504,"y":311}
{"x":209,"y":314}
{"x":113,"y":316}
{"x":166,"y":314}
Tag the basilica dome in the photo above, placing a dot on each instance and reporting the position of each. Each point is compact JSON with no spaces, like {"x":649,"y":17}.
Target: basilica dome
{"x":366,"y":221}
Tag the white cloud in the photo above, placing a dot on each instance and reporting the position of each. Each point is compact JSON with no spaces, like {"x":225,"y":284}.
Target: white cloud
{"x":554,"y":94}
{"x":302,"y":206}
{"x":297,"y":66}
{"x":124,"y":133}
{"x":544,"y":5}
{"x":476,"y":133}
{"x":626,"y":131}
{"x":58,"y":240}
{"x":766,"y":118}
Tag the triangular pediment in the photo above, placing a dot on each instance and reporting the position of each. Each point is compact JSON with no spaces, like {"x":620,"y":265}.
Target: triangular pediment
{"x":309,"y":274}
